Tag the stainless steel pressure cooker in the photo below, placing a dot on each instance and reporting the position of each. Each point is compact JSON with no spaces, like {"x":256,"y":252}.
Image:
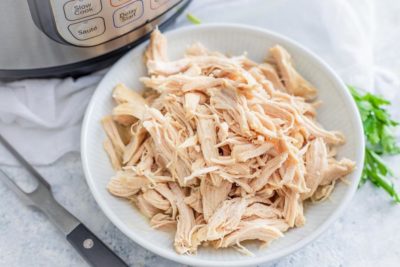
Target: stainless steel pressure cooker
{"x":48,"y":38}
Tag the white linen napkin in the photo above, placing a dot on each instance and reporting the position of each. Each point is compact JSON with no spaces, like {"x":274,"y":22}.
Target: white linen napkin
{"x":42,"y":118}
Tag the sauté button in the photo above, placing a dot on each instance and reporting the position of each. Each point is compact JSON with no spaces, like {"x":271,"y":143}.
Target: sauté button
{"x":87,"y":29}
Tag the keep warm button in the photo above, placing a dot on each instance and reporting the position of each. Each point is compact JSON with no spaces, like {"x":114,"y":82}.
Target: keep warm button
{"x":128,"y":13}
{"x":87,"y":29}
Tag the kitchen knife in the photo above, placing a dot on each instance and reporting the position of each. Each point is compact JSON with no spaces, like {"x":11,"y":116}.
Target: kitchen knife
{"x":90,"y":247}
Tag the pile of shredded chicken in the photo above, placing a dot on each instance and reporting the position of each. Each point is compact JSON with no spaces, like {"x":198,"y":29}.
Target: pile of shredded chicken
{"x":221,"y":149}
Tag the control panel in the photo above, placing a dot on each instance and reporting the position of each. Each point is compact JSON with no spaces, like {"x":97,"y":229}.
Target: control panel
{"x":92,"y":22}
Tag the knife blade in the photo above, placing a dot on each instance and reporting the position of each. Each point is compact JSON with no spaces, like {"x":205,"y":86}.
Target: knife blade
{"x":89,"y":246}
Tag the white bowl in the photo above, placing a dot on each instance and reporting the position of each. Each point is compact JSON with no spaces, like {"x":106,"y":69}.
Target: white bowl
{"x":337,"y":112}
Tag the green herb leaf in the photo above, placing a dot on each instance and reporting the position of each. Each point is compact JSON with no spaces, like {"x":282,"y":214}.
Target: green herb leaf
{"x":380,"y":140}
{"x":193,"y":19}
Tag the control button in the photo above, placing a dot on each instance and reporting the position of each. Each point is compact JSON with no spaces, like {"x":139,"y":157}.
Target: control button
{"x":87,"y":29}
{"x":128,"y":13}
{"x":118,"y":2}
{"x":78,"y":9}
{"x":157,"y":3}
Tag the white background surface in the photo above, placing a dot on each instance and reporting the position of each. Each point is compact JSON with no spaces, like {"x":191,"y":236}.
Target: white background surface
{"x":358,"y":38}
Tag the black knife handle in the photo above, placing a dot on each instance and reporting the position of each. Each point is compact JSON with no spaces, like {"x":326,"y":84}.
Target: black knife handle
{"x":95,"y":252}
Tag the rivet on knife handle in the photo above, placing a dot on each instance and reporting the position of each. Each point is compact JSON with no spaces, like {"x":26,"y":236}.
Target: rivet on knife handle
{"x":92,"y":249}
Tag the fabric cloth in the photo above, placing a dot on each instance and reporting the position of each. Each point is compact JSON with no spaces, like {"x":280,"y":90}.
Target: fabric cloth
{"x":42,"y":118}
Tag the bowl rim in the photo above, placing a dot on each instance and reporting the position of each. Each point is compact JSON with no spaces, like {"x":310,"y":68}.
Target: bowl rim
{"x":359,"y":157}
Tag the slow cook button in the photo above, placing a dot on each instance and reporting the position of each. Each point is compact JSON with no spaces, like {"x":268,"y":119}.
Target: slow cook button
{"x":128,"y":13}
{"x":157,"y":3}
{"x":78,"y":9}
{"x":87,"y":29}
{"x":118,"y":2}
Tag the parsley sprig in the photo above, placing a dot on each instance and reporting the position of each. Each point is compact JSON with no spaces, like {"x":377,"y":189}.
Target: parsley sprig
{"x":380,"y":140}
{"x":193,"y":19}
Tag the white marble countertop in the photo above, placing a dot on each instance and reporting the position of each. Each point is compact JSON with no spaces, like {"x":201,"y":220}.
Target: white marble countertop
{"x":367,"y":234}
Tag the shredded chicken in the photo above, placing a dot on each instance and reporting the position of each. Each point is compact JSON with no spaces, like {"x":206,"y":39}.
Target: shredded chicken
{"x":221,"y":149}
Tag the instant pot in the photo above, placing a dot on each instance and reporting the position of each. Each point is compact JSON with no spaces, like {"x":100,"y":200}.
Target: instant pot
{"x":55,"y":38}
